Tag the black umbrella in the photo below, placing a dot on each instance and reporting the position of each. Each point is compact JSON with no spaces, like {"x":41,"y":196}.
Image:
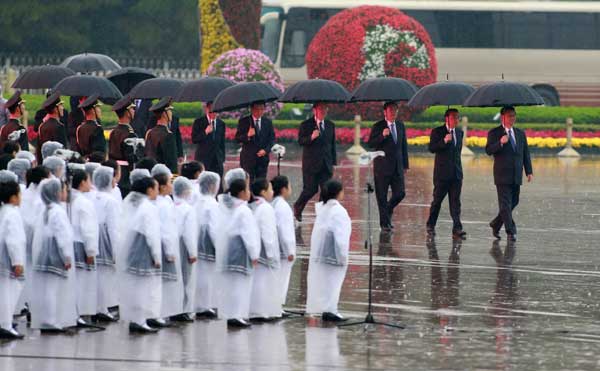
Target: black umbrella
{"x":384,"y":89}
{"x":316,"y":90}
{"x":86,"y":85}
{"x":504,"y":93}
{"x":42,"y":77}
{"x":90,"y":62}
{"x":442,"y":94}
{"x":156,"y":88}
{"x":126,"y":78}
{"x":243,"y":95}
{"x":205,"y":89}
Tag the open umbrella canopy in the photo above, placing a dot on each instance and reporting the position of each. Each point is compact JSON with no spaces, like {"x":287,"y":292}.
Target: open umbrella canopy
{"x":86,"y":85}
{"x":155,"y":88}
{"x":504,"y":93}
{"x":90,"y":62}
{"x":42,"y":77}
{"x":315,"y":90}
{"x":243,"y":95}
{"x":204,"y":89}
{"x":384,"y":89}
{"x":126,"y":78}
{"x":442,"y":94}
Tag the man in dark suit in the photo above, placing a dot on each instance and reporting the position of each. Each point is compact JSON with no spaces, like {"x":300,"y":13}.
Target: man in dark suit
{"x":389,"y":136}
{"x":51,"y":129}
{"x":160,"y":141}
{"x":16,"y":109}
{"x":509,"y":147}
{"x":208,"y":133}
{"x":142,"y":117}
{"x":317,"y":138}
{"x":257,"y":136}
{"x":446,"y":142}
{"x":90,"y":135}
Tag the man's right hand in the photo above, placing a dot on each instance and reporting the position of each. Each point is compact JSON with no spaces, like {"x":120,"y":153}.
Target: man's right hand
{"x":209,"y":129}
{"x":251,"y":132}
{"x":448,"y":138}
{"x":315,"y":134}
{"x":504,"y":139}
{"x":386,"y":132}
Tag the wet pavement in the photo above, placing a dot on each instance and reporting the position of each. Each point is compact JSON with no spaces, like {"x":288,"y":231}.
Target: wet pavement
{"x":478,"y":305}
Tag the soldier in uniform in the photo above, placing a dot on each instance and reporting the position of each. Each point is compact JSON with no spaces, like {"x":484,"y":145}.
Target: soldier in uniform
{"x":118,"y":150}
{"x":51,"y":129}
{"x":16,"y":108}
{"x":160,"y":141}
{"x":90,"y":135}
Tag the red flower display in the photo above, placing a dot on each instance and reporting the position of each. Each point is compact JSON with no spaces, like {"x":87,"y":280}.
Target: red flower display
{"x":367,"y":42}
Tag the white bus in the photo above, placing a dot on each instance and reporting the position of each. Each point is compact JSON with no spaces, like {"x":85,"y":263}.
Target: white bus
{"x":553,"y":46}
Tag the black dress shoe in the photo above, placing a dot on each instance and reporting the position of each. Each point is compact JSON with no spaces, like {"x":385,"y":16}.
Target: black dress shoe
{"x":158,"y":324}
{"x":183,"y":317}
{"x":53,"y":331}
{"x":237,"y":323}
{"x":511,"y":237}
{"x":332,"y":317}
{"x":207,"y":314}
{"x":104,"y":317}
{"x":141,"y":329}
{"x":430,"y":230}
{"x":297,"y":215}
{"x":459,"y":235}
{"x":11,"y":334}
{"x":285,"y":314}
{"x":386,"y":228}
{"x":495,"y":231}
{"x":262,"y":319}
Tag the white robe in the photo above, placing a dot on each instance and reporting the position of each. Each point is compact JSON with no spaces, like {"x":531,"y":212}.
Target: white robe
{"x":172,"y":290}
{"x":287,"y":243}
{"x":207,"y":214}
{"x":12,"y":242}
{"x":325,"y":280}
{"x":108,"y":210}
{"x":188,"y":235}
{"x":53,"y":297}
{"x":116,"y":193}
{"x":85,"y":230}
{"x":140,"y":295}
{"x":237,"y":221}
{"x":265,"y":299}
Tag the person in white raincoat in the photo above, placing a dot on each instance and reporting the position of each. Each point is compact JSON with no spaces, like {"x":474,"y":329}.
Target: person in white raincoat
{"x":282,"y":190}
{"x":207,"y":215}
{"x":108,"y":209}
{"x":238,"y":248}
{"x":12,"y":257}
{"x":85,"y":243}
{"x":56,"y":165}
{"x":53,"y":301}
{"x":265,"y":303}
{"x":19,"y":166}
{"x":329,"y":247}
{"x":172,"y":287}
{"x":187,"y":237}
{"x":139,"y":257}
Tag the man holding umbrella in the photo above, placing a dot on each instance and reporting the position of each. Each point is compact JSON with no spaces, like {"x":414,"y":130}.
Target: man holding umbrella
{"x":160,"y":141}
{"x":51,"y":129}
{"x":16,"y":108}
{"x":257,"y":136}
{"x":317,"y":138}
{"x":509,"y":147}
{"x":208,"y":133}
{"x":389,"y":136}
{"x":90,"y":135}
{"x":118,"y":150}
{"x":446,"y":143}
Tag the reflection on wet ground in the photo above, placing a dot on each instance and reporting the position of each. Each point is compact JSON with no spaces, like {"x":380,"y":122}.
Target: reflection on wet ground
{"x":477,"y":304}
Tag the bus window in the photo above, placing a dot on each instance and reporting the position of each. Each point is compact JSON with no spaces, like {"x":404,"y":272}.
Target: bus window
{"x":270,"y":30}
{"x":574,"y":30}
{"x":302,"y":24}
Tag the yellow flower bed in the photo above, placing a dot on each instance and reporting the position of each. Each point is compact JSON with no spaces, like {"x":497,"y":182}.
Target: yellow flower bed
{"x":215,"y":33}
{"x":539,"y":142}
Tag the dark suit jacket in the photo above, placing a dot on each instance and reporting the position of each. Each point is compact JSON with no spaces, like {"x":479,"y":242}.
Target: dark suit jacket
{"x":160,"y":145}
{"x":509,"y":163}
{"x":209,"y":148}
{"x":142,"y":117}
{"x":448,"y":165}
{"x":250,"y":146}
{"x":396,"y":154}
{"x":319,"y":152}
{"x":11,"y":126}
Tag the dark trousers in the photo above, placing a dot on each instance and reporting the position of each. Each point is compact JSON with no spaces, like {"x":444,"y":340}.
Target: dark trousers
{"x":508,"y":199}
{"x":452,"y":188}
{"x":312,"y":182}
{"x":259,"y":170}
{"x":386,"y":207}
{"x":213,"y":165}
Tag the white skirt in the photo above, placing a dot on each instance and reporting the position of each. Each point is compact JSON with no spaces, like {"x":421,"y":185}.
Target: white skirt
{"x":108,"y":292}
{"x":87,"y":295}
{"x":285,"y":271}
{"x":53,"y":300}
{"x":10,"y":292}
{"x":234,"y":295}
{"x":324,"y":287}
{"x":141,"y":298}
{"x":265,"y":300}
{"x":206,"y":276}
